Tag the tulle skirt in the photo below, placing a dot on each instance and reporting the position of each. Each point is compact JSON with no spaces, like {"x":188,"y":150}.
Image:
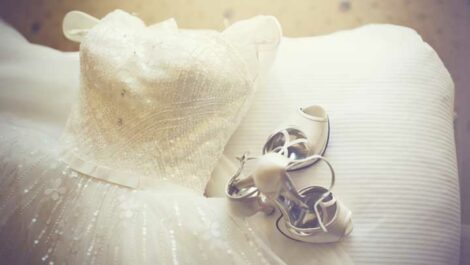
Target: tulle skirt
{"x":50,"y":214}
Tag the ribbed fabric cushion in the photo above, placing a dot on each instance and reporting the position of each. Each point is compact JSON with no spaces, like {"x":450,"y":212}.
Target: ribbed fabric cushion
{"x":390,"y":103}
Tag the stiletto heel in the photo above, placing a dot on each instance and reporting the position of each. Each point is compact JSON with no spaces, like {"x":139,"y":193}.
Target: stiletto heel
{"x":245,"y":199}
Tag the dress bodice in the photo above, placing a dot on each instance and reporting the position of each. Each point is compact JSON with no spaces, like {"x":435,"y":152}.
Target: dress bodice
{"x":159,"y":103}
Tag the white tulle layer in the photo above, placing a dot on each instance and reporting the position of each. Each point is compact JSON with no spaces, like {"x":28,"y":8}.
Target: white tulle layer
{"x":53,"y":215}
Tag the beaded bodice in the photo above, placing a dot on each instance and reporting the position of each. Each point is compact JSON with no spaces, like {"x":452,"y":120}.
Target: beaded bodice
{"x":157,"y":102}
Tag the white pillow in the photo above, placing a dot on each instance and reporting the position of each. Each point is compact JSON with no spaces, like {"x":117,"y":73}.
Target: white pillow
{"x":390,"y":103}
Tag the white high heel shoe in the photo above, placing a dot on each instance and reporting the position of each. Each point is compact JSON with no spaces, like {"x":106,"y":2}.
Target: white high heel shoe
{"x":313,"y":214}
{"x":305,"y":135}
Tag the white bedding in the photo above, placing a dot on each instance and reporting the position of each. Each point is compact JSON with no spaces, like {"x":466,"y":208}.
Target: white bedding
{"x":390,"y":102}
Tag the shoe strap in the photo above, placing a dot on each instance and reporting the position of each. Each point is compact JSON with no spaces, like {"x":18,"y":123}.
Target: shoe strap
{"x":316,"y":206}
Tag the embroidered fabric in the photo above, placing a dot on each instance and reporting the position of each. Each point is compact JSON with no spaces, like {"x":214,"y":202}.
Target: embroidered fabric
{"x":159,"y":103}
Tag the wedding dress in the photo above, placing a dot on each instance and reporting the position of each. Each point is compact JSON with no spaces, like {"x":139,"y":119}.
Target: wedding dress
{"x":125,"y":183}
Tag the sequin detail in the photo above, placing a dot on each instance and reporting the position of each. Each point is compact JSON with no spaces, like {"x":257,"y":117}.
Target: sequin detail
{"x":189,"y":92}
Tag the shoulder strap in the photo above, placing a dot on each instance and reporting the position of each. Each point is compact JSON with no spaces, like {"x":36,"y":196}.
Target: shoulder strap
{"x":76,"y":25}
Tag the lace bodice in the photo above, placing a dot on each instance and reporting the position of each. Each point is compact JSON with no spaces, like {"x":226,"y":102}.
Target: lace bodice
{"x":159,"y":103}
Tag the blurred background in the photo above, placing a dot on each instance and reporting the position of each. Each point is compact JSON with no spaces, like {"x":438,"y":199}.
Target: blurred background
{"x":444,"y":24}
